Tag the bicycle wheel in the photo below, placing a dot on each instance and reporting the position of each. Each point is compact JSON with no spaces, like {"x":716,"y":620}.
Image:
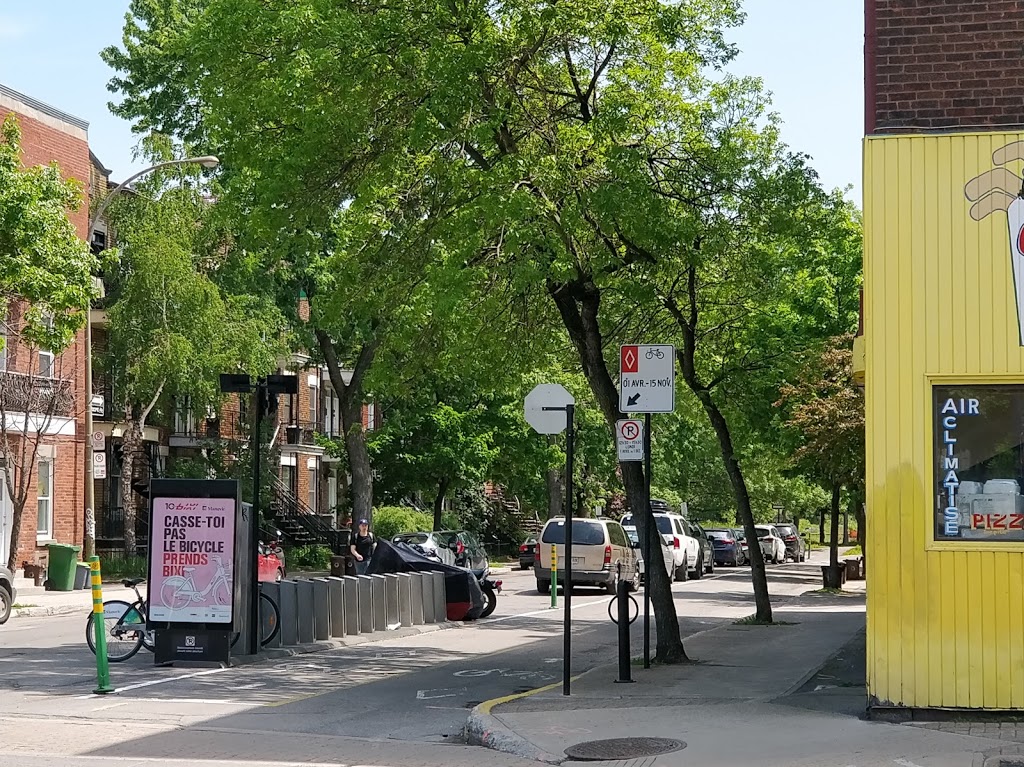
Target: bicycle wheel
{"x":270,"y":620}
{"x":222,"y":594}
{"x":122,"y":642}
{"x":171,"y":596}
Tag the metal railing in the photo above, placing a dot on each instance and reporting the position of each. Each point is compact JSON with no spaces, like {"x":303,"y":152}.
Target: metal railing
{"x":289,"y":507}
{"x":22,"y":393}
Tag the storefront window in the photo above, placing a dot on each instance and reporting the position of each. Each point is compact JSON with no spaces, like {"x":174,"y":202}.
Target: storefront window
{"x":979,"y":462}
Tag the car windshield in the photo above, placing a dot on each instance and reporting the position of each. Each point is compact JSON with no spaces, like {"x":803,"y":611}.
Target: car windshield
{"x":786,"y":529}
{"x":664,"y":523}
{"x":412,"y":538}
{"x":634,"y":536}
{"x":584,"y":533}
{"x":721,"y":535}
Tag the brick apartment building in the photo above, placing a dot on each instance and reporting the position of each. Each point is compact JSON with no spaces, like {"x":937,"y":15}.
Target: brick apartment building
{"x":54,"y":508}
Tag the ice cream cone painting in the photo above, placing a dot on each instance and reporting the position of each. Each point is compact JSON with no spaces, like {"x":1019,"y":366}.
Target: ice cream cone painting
{"x":1001,"y":189}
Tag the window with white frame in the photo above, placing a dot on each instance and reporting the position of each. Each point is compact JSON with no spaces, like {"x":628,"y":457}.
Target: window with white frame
{"x":45,"y":355}
{"x":44,"y":499}
{"x":313,"y":395}
{"x":313,"y":482}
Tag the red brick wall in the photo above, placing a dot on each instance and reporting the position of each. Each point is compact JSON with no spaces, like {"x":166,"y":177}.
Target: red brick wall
{"x":42,"y":144}
{"x":943,"y":65}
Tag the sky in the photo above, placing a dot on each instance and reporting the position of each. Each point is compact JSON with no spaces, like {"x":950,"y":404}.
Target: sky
{"x":808,"y":52}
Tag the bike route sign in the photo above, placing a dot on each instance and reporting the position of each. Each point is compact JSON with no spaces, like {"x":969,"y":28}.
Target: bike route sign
{"x":191,"y":553}
{"x":647,"y":381}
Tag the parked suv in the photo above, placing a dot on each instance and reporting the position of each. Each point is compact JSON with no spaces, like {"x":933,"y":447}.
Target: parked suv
{"x":599,"y":546}
{"x":795,"y":546}
{"x":688,"y":552}
{"x":7,"y":593}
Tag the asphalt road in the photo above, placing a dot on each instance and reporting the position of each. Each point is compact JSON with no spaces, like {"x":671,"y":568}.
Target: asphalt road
{"x":397,"y":700}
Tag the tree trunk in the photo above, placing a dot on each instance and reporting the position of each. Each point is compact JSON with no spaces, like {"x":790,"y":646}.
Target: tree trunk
{"x":554,"y":484}
{"x":758,"y":574}
{"x":442,"y":491}
{"x":351,"y":398}
{"x":578,"y":304}
{"x":822,"y":513}
{"x":833,"y":553}
{"x":18,"y":513}
{"x":862,"y":528}
{"x":129,"y":446}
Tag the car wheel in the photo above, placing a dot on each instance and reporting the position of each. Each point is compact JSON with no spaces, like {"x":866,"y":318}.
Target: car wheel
{"x":5,"y":605}
{"x":711,"y":566}
{"x":698,"y":571}
{"x":683,"y":571}
{"x":490,"y":601}
{"x":544,"y":587}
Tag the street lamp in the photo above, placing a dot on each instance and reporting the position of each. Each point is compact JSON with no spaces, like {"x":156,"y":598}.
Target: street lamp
{"x":207,"y":161}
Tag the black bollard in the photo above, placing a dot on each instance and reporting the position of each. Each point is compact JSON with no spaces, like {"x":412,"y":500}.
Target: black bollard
{"x":622,"y":595}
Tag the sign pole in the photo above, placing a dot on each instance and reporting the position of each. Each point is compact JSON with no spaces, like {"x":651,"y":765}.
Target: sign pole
{"x":554,"y":576}
{"x":99,"y":629}
{"x":254,"y":524}
{"x":570,"y":413}
{"x":648,"y":553}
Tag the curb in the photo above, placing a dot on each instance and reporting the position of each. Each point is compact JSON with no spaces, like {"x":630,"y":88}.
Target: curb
{"x":485,"y":729}
{"x":38,"y":612}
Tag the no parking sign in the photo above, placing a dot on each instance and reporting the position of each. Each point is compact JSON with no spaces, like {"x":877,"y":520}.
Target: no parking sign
{"x":629,"y":436}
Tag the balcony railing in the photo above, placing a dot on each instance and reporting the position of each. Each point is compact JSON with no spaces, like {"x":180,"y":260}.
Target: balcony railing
{"x":21,"y":393}
{"x":301,"y":433}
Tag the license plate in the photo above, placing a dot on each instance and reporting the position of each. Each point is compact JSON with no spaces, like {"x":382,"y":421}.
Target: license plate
{"x":576,"y":562}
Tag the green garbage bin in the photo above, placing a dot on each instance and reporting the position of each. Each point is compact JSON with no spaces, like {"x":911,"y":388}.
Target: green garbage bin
{"x":63,"y":563}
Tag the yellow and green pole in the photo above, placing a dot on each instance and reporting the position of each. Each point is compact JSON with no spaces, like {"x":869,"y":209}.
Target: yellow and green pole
{"x":554,"y":576}
{"x":99,"y":630}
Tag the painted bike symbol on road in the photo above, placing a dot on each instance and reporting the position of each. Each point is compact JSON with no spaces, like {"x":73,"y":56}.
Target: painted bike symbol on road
{"x":505,"y":672}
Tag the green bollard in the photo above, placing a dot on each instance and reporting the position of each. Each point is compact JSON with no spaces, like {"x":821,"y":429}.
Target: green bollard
{"x":554,"y":576}
{"x":99,"y":630}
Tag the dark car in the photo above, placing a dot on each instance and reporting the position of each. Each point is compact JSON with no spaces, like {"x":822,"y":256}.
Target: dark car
{"x":527,"y":553}
{"x":7,"y":593}
{"x":796,"y":549}
{"x":453,"y":547}
{"x":728,"y":547}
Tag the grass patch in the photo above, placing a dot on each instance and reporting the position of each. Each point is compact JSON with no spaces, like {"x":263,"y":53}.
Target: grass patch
{"x":834,"y":592}
{"x":855,"y":551}
{"x":20,"y":606}
{"x":117,"y":569}
{"x":753,"y":620}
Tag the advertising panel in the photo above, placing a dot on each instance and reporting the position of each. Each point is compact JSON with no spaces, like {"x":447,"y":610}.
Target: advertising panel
{"x":191,"y":560}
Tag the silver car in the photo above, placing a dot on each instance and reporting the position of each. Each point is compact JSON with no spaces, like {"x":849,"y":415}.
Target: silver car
{"x":7,"y":593}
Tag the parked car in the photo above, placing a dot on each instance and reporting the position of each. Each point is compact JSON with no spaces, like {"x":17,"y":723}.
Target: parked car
{"x":741,"y":538}
{"x":796,"y":549}
{"x":772,"y":546}
{"x":7,"y":593}
{"x":527,"y":554}
{"x":707,"y":548}
{"x":271,"y":566}
{"x":687,"y":551}
{"x":728,"y":548}
{"x":453,"y":547}
{"x":667,"y":554}
{"x":599,"y":546}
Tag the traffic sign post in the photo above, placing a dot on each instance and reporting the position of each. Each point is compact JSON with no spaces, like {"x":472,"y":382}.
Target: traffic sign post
{"x":647,"y":384}
{"x":629,"y":439}
{"x":550,"y":409}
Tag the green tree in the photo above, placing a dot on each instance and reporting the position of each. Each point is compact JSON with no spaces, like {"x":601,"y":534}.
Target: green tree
{"x":172,"y":332}
{"x":825,"y":420}
{"x":46,"y":284}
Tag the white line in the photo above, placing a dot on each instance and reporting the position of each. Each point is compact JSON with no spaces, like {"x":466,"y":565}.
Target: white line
{"x":905,"y":763}
{"x":545,"y":611}
{"x":151,"y":682}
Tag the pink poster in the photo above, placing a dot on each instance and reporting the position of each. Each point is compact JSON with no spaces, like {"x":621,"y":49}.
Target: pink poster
{"x":191,"y":551}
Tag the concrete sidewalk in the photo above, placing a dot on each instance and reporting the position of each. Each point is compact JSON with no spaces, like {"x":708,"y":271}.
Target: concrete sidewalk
{"x":36,"y":601}
{"x":747,"y":699}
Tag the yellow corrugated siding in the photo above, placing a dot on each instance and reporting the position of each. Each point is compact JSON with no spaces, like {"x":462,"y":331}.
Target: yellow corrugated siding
{"x":945,"y":620}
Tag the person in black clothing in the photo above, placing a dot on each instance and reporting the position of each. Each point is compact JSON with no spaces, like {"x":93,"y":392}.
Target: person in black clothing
{"x":362,"y":545}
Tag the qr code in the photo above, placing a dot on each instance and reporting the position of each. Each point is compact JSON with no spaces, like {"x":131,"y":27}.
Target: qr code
{"x":190,"y":641}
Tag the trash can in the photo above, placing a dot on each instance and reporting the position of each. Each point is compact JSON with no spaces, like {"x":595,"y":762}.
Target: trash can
{"x":82,"y":578}
{"x":853,"y":572}
{"x":63,"y":559}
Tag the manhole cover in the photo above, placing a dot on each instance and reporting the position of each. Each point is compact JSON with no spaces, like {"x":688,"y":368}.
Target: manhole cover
{"x":622,"y":748}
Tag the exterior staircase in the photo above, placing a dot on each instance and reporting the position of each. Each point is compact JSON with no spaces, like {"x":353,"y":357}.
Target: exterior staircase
{"x":301,"y":525}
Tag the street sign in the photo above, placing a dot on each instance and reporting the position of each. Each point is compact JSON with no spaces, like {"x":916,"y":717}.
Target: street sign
{"x":629,"y":436}
{"x":99,"y":440}
{"x":544,"y":408}
{"x":99,"y":465}
{"x":647,"y":381}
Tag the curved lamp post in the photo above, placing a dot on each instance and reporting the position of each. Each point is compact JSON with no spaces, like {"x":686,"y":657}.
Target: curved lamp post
{"x":207,"y":161}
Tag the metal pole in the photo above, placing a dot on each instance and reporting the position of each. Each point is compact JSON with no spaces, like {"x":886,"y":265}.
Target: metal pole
{"x":622,"y":595}
{"x":570,"y":417}
{"x":648,"y":540}
{"x":254,"y":525}
{"x":99,"y":630}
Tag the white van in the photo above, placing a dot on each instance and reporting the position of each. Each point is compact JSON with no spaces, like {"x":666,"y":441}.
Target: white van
{"x":599,"y":546}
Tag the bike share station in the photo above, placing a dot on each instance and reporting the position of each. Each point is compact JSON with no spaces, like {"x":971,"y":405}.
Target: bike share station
{"x":198,"y":545}
{"x":646,"y":386}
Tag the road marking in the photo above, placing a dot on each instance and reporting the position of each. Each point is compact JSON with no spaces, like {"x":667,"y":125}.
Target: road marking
{"x":151,"y":682}
{"x":544,"y":611}
{"x":905,"y":763}
{"x":448,"y":692}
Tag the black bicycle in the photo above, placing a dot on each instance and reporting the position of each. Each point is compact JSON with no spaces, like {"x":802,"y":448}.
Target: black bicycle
{"x":125,"y":624}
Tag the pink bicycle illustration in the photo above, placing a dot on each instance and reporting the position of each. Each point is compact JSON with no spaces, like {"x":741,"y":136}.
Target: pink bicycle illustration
{"x":178,"y":592}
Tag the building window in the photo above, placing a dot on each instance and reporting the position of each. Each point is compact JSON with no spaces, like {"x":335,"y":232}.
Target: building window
{"x":978,"y":462}
{"x":288,"y":477}
{"x":45,"y":355}
{"x":44,"y":499}
{"x":184,"y":418}
{"x":313,"y":482}
{"x":312,"y":405}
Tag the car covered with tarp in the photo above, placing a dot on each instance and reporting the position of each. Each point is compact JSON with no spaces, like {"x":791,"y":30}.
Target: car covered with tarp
{"x":462,"y":589}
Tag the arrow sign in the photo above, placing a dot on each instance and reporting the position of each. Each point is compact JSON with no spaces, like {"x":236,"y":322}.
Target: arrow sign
{"x":647,"y":381}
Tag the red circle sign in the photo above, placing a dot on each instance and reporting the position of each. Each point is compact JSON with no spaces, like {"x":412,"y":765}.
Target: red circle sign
{"x":630,"y":430}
